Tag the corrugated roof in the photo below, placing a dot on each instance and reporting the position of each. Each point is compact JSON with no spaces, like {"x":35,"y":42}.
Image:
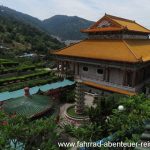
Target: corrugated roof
{"x":108,"y":88}
{"x":113,"y":50}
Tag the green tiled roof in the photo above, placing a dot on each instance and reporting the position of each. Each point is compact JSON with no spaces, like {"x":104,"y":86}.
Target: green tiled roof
{"x":19,"y":93}
{"x":28,"y":106}
{"x":34,"y":90}
{"x":16,"y":94}
{"x":4,"y":96}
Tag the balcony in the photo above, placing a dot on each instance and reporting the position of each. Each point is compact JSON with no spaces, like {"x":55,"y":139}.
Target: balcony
{"x":99,"y":80}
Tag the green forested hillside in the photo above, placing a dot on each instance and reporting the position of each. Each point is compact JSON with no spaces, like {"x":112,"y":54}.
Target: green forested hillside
{"x":61,"y":26}
{"x":67,"y":27}
{"x":21,"y":37}
{"x":5,"y":11}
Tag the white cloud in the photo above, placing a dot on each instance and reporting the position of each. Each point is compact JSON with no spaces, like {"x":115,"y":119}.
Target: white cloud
{"x":90,"y":9}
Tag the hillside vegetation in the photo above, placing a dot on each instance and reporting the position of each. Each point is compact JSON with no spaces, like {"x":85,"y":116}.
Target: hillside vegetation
{"x":17,"y":37}
{"x":61,"y":26}
{"x":67,"y":27}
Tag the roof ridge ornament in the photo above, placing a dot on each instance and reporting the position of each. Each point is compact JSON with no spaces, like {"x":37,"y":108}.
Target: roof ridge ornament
{"x":117,"y":22}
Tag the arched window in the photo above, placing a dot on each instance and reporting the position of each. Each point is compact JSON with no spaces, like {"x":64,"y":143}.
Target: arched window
{"x":100,"y":71}
{"x":85,"y":69}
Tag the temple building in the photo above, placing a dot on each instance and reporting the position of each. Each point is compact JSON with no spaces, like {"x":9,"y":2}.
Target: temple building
{"x":114,"y":58}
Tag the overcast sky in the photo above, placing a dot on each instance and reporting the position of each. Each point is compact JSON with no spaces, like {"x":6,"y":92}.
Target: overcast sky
{"x":138,"y":10}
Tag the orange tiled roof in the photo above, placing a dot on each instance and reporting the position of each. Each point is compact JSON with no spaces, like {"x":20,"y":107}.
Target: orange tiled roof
{"x":102,"y":29}
{"x":108,"y":88}
{"x":107,"y":49}
{"x":120,"y":23}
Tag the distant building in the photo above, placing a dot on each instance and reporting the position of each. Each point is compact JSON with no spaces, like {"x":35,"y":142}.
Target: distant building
{"x":114,"y":58}
{"x":26,"y":55}
{"x":70,"y":42}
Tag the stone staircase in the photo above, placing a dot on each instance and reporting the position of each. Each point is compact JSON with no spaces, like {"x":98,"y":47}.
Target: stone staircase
{"x":145,"y":139}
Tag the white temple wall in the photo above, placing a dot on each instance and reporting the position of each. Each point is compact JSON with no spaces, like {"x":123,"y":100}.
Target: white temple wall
{"x":115,"y":75}
{"x":91,"y":73}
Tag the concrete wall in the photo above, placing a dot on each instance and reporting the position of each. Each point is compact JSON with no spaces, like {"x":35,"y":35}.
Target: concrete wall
{"x":91,"y":73}
{"x":116,"y":76}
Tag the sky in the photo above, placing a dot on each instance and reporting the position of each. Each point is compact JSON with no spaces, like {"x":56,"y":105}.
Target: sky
{"x":138,"y":10}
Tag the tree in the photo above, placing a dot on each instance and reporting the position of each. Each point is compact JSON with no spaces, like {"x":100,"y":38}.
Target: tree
{"x":102,"y":111}
{"x":68,"y":96}
{"x":130,"y":121}
{"x":36,"y":134}
{"x":86,"y":132}
{"x":125,"y":126}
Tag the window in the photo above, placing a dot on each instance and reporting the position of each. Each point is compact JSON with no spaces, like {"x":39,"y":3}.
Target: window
{"x":85,"y":69}
{"x":100,"y":71}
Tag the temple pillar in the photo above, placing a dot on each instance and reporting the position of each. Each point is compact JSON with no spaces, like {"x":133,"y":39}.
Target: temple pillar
{"x":133,"y":78}
{"x":77,"y":68}
{"x":58,"y":65}
{"x":138,"y":80}
{"x":104,"y":77}
{"x":62,"y":67}
{"x":124,"y":77}
{"x":107,"y":74}
{"x":142,"y":74}
{"x":66,"y":66}
{"x":74,"y":67}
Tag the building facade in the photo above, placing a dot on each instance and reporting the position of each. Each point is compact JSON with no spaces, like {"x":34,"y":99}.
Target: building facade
{"x":114,"y":58}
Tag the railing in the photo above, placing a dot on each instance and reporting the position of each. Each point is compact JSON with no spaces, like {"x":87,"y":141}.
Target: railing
{"x":100,"y":81}
{"x":96,"y":78}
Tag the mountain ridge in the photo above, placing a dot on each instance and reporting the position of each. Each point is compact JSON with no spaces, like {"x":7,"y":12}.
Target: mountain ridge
{"x":17,"y":37}
{"x":6,"y":11}
{"x":62,"y":26}
{"x":70,"y":29}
